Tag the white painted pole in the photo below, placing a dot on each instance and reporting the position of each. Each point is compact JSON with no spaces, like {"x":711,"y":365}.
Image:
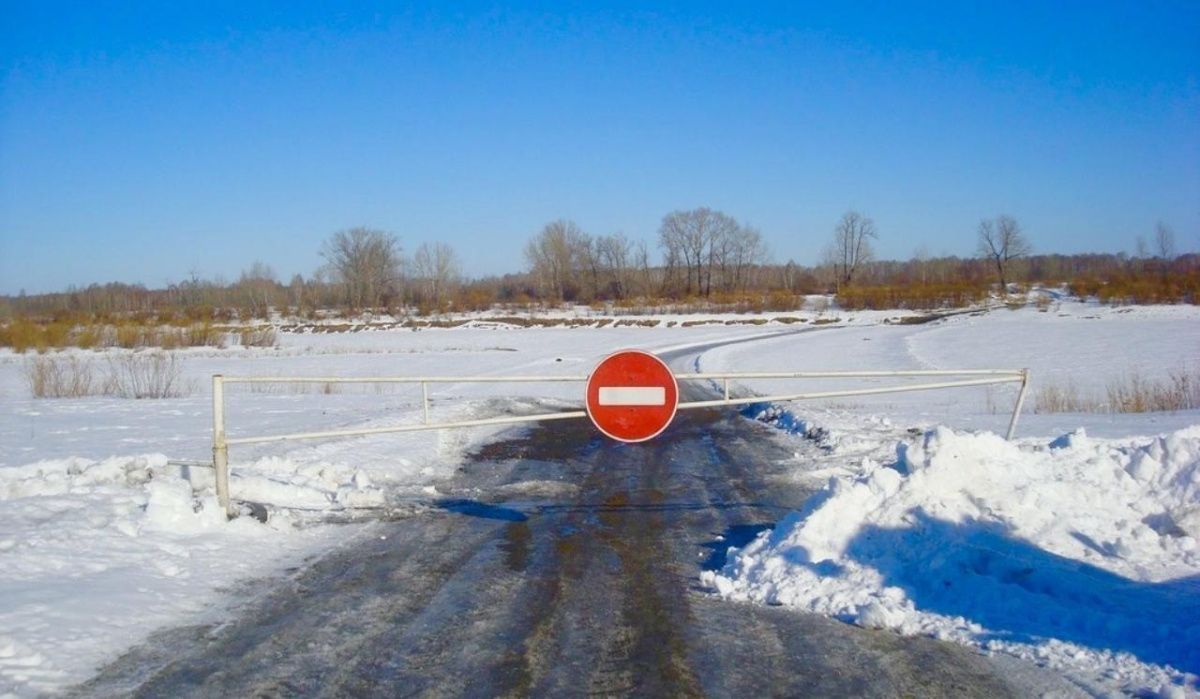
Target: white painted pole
{"x":843,"y":394}
{"x":220,"y":445}
{"x":1014,"y":373}
{"x":405,"y":379}
{"x":1012,"y":425}
{"x":512,"y":420}
{"x":425,"y":401}
{"x":726,"y":388}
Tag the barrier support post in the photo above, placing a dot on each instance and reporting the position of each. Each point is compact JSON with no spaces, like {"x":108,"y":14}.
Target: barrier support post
{"x":1012,"y":425}
{"x":220,"y":447}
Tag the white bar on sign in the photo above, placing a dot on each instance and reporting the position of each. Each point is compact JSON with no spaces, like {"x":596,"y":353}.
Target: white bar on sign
{"x":633,"y":395}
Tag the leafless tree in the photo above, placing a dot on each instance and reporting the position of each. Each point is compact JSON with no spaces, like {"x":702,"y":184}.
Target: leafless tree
{"x":742,"y":251}
{"x":851,"y":247}
{"x":697,"y":239}
{"x":1164,"y":242}
{"x":435,"y":271}
{"x":366,"y":262}
{"x":1000,"y":242}
{"x":641,"y":277}
{"x":257,"y":287}
{"x":296,"y":292}
{"x":554,"y":257}
{"x":920,"y":261}
{"x":614,"y":253}
{"x":1140,"y":250}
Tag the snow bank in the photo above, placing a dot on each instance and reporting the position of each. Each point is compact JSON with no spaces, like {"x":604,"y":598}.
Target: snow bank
{"x":111,"y":549}
{"x":1081,"y":554}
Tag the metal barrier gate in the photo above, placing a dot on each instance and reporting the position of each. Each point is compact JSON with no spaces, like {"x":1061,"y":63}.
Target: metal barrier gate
{"x":221,"y":442}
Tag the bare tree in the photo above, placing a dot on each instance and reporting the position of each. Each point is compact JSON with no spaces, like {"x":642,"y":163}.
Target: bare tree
{"x":1140,"y":249}
{"x":641,"y":277}
{"x":554,"y":257}
{"x":435,"y":271}
{"x":1001,"y":241}
{"x":257,"y":287}
{"x":742,"y":251}
{"x":296,"y":292}
{"x":851,"y":248}
{"x":1164,"y":242}
{"x":697,"y":239}
{"x":614,"y":254}
{"x":366,"y":262}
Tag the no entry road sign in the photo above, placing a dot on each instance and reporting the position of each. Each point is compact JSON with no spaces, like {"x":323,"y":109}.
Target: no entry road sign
{"x":632,"y":396}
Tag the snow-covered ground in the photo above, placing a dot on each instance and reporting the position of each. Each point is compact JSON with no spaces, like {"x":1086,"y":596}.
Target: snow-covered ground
{"x":1075,"y":546}
{"x":102,"y":540}
{"x":1079,"y":552}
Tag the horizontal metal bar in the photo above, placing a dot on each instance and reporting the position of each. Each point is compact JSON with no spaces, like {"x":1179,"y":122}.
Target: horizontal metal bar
{"x":842,"y":394}
{"x":402,"y":379}
{"x":1016,"y":373}
{"x":409,"y":428}
{"x":580,"y":413}
{"x":998,"y":376}
{"x":582,"y":378}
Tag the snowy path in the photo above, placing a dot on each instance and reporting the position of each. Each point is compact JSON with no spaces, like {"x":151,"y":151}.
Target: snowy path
{"x":582,"y":576}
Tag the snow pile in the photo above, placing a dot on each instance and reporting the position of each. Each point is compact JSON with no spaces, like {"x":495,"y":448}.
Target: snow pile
{"x":279,"y":482}
{"x":111,"y":549}
{"x":1081,"y":554}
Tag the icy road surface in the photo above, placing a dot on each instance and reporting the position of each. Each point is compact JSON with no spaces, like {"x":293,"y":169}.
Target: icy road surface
{"x":564,"y":564}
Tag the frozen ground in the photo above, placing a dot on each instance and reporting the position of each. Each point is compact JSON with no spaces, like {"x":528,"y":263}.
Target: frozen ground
{"x":101,"y":540}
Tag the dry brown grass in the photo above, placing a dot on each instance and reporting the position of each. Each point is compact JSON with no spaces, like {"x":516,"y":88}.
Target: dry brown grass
{"x":1131,"y":394}
{"x":50,"y":376}
{"x":1179,"y":391}
{"x":155,"y":374}
{"x":261,"y":336}
{"x":1150,"y":287}
{"x":23,"y":335}
{"x":924,"y":297}
{"x":1063,"y":398}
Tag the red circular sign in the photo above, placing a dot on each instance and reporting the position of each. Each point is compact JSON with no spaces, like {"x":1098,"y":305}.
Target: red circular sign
{"x":632,"y":396}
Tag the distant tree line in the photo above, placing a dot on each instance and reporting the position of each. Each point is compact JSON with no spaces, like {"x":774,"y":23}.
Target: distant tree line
{"x":704,"y":258}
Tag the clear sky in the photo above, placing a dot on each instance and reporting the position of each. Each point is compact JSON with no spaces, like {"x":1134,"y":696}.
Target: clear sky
{"x":143,"y":140}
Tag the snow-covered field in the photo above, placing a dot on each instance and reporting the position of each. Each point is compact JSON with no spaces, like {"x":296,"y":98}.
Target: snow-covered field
{"x":1078,"y":552}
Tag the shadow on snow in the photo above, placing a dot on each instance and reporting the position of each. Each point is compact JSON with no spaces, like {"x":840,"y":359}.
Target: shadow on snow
{"x":1019,"y":592}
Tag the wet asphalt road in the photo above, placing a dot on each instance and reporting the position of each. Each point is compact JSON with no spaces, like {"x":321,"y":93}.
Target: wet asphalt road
{"x":568,"y":566}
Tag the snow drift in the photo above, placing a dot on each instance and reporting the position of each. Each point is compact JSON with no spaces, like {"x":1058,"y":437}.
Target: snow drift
{"x":1077,"y":553}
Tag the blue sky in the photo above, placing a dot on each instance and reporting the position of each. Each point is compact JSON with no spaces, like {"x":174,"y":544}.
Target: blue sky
{"x":141,"y":141}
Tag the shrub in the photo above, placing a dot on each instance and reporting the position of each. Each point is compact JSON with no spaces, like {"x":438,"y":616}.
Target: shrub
{"x":204,"y":335}
{"x":912,"y":297}
{"x":146,"y":375}
{"x":783,"y":301}
{"x":129,"y":336}
{"x":23,"y":335}
{"x":264,"y":336}
{"x":61,"y":376}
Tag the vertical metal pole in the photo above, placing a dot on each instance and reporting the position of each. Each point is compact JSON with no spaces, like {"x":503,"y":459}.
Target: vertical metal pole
{"x":220,"y":448}
{"x":726,"y":389}
{"x":1012,"y":425}
{"x":425,"y":401}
